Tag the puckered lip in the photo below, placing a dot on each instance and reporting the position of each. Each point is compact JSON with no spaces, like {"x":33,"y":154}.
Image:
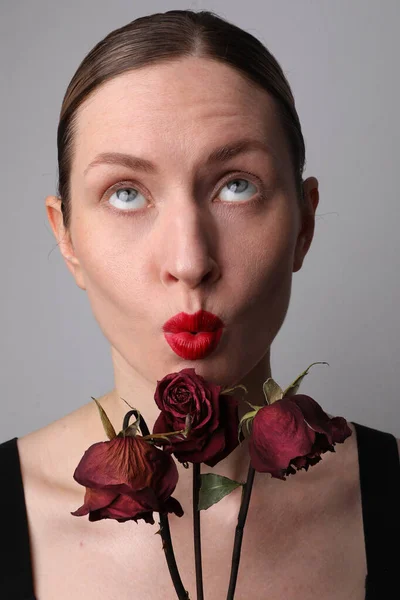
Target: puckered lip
{"x":202,"y":320}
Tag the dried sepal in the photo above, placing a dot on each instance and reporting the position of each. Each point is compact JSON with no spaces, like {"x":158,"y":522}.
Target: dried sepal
{"x":246,"y":419}
{"x":188,"y":425}
{"x":272,"y":391}
{"x":127,"y":403}
{"x":231,"y":390}
{"x":132,"y":429}
{"x":291,"y":390}
{"x":108,"y":427}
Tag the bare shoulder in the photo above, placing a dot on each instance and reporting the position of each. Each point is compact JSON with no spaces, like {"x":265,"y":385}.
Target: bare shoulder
{"x":49,"y":455}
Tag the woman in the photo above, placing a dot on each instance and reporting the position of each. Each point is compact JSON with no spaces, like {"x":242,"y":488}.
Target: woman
{"x":180,"y":190}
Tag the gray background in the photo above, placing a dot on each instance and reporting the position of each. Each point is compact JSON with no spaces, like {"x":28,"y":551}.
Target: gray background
{"x":341,"y":59}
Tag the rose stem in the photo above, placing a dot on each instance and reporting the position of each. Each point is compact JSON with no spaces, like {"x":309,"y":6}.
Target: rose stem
{"x":164,"y":526}
{"x":239,"y":531}
{"x":170,"y":557}
{"x":196,"y":530}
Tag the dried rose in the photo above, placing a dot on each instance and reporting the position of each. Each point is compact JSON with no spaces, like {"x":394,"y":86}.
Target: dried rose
{"x":127,"y":478}
{"x":213,"y":417}
{"x":291,"y":434}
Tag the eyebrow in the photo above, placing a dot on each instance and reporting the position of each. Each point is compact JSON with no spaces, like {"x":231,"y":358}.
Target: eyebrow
{"x":219,"y":155}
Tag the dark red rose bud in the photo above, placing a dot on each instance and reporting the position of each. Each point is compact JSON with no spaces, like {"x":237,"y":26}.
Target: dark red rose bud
{"x":291,"y":434}
{"x":127,"y":478}
{"x":214,"y":417}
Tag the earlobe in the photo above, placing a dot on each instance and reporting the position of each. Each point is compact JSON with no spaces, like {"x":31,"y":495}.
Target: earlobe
{"x":55,"y":217}
{"x":299,"y":255}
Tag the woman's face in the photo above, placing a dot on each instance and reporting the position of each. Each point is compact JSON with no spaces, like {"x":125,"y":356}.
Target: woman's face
{"x":188,"y":233}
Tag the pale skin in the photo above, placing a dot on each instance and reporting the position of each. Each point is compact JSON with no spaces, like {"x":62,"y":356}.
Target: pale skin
{"x":188,"y":242}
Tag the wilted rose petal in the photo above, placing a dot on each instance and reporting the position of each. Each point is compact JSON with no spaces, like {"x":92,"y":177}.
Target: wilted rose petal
{"x":214,"y":424}
{"x":127,"y":478}
{"x":291,"y":434}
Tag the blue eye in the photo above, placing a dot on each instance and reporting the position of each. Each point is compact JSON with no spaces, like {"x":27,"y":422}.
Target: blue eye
{"x":235,"y":185}
{"x":127,"y":198}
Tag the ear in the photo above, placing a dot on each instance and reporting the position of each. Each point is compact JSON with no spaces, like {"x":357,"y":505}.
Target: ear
{"x":306,"y":233}
{"x":63,"y":237}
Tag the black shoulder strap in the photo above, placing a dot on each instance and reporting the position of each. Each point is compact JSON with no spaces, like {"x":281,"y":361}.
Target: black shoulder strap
{"x":16,"y":580}
{"x":379,"y":467}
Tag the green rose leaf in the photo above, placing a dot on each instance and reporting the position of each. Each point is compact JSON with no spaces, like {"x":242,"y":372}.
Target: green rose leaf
{"x":213,"y":488}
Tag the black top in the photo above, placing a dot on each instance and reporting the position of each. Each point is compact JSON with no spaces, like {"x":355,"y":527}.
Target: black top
{"x":379,"y":466}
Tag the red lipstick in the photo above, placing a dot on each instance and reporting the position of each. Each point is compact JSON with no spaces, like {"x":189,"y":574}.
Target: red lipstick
{"x":193,"y":336}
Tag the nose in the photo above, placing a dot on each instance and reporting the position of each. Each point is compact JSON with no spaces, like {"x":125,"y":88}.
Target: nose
{"x":189,"y":246}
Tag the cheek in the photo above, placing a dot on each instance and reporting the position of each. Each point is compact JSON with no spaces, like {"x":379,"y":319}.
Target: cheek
{"x":261,"y":259}
{"x":114,"y":266}
{"x":264,"y":295}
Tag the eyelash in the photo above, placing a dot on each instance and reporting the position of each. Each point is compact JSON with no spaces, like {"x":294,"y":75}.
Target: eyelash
{"x":256,"y":199}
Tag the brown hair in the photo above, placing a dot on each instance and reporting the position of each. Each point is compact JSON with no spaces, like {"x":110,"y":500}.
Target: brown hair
{"x":163,"y":37}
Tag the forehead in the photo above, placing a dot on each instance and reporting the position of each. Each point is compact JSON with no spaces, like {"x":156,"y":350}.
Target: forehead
{"x":176,"y":108}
